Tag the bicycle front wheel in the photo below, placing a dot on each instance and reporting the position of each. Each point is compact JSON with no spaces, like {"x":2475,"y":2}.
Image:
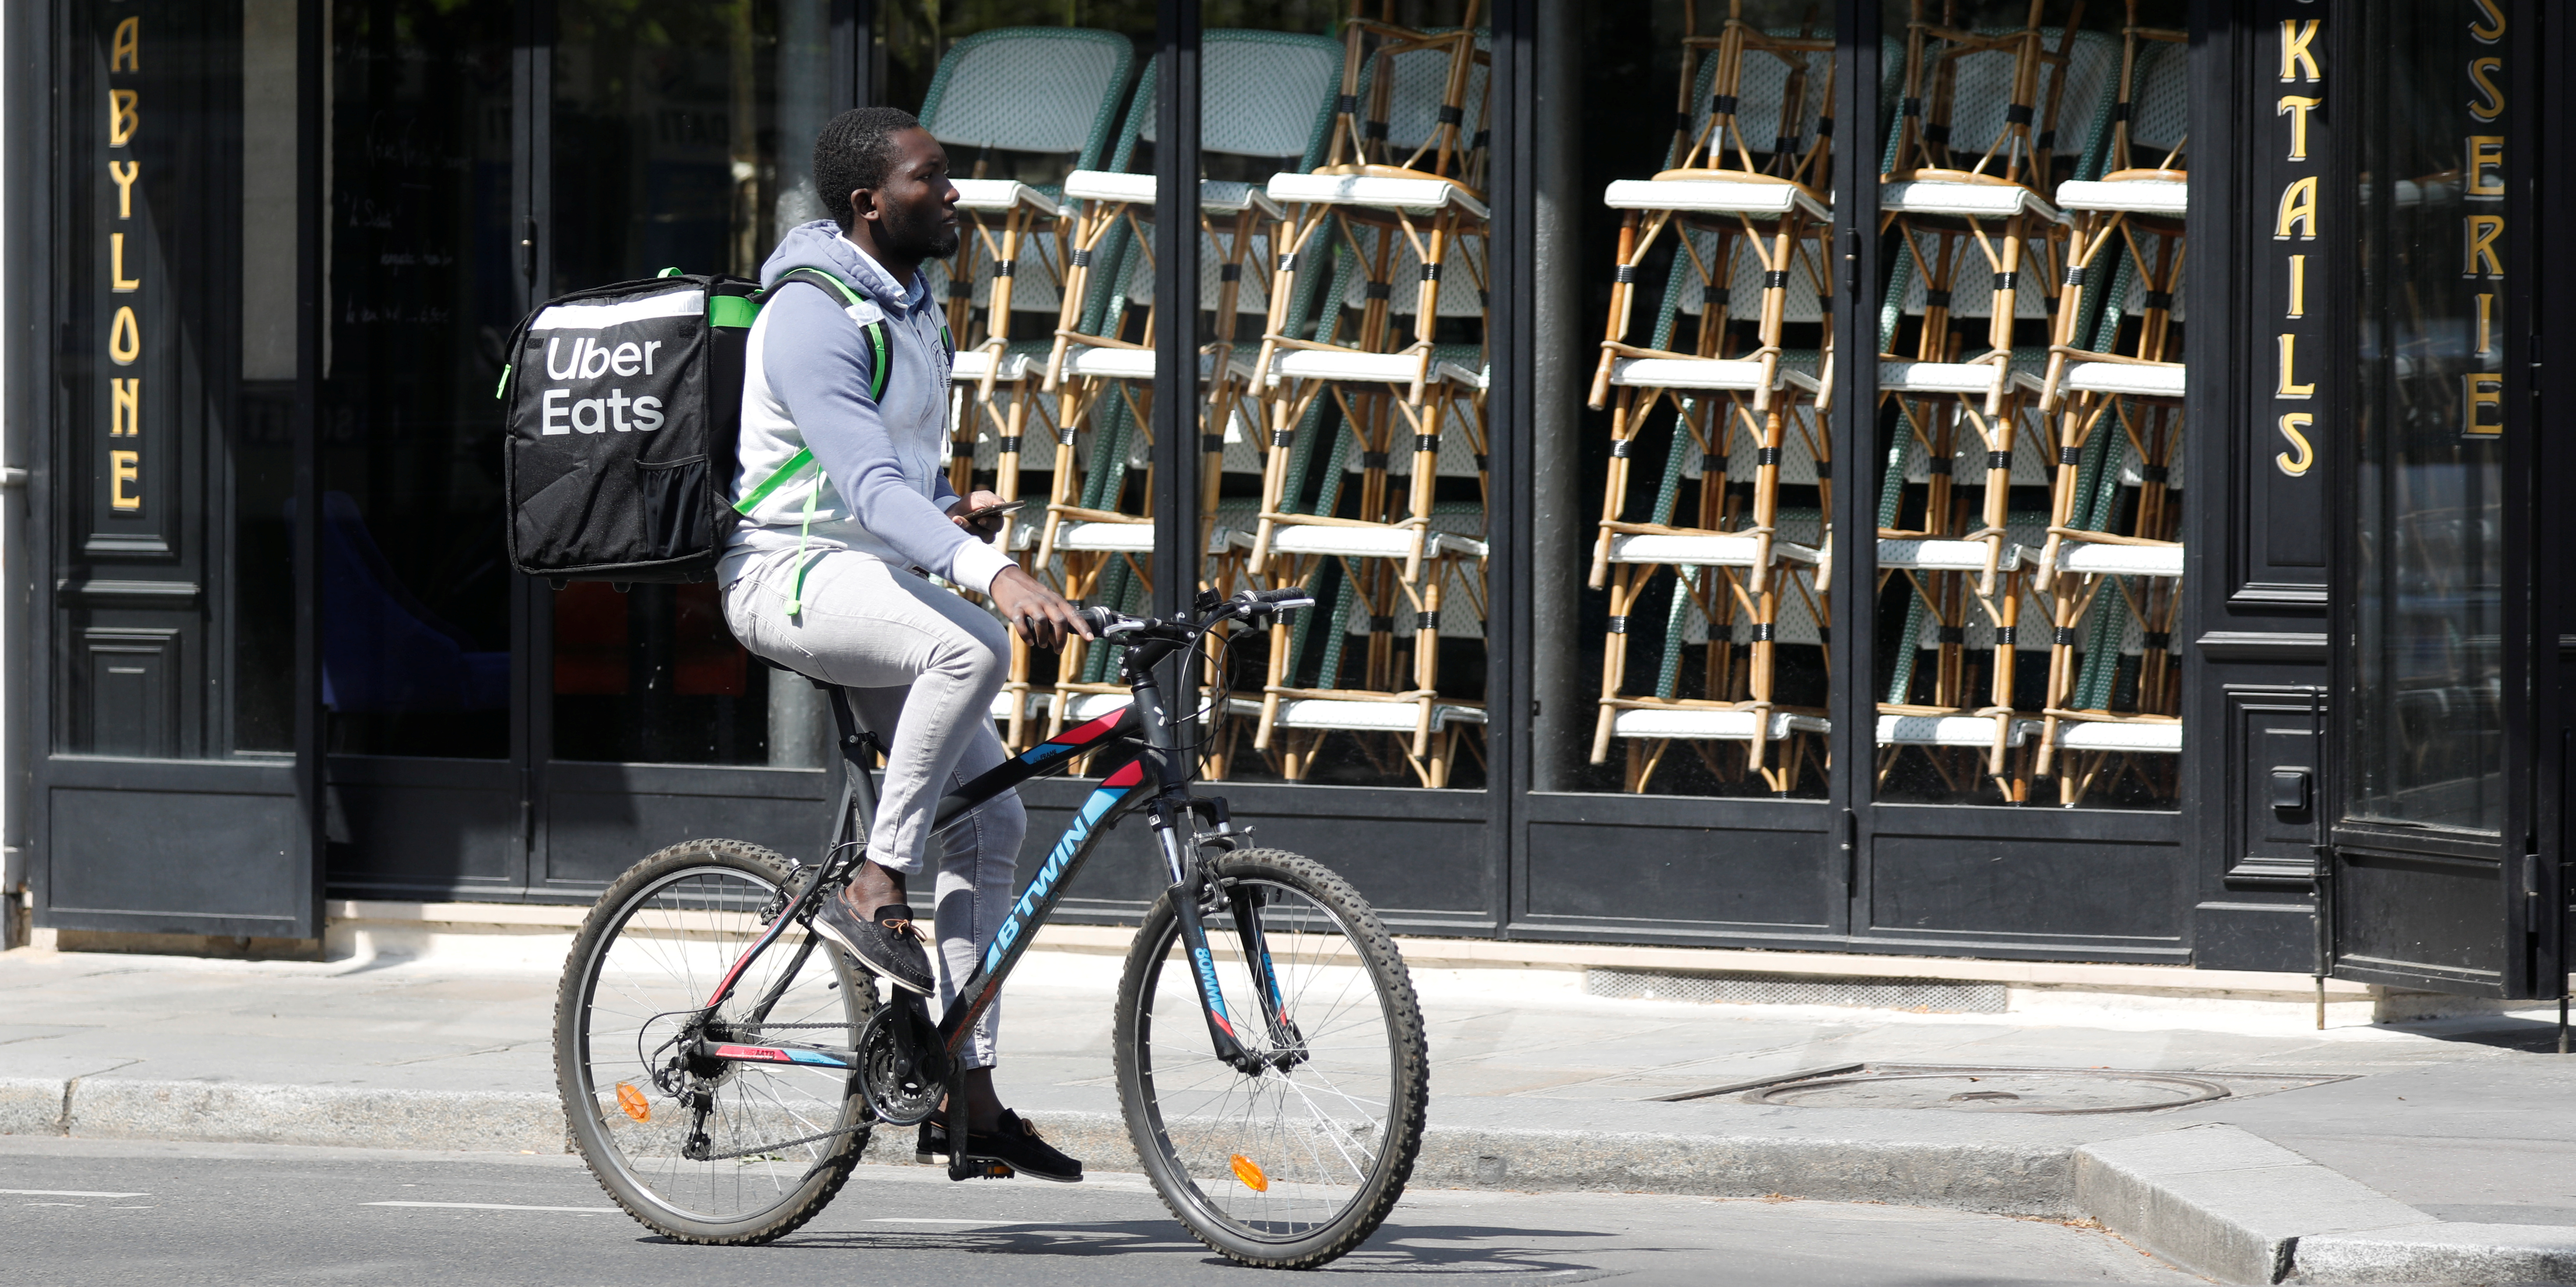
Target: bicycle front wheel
{"x":703,"y":1150}
{"x":1294,"y":1166}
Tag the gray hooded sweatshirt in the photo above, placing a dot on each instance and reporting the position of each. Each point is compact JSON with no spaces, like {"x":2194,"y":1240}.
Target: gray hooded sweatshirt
{"x":883,"y":487}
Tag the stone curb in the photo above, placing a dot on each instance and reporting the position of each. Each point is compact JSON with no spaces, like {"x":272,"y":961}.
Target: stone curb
{"x":2214,"y":1199}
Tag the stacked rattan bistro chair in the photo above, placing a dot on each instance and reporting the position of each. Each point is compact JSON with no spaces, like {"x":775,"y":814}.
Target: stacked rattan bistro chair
{"x":1390,"y":223}
{"x":1741,"y":205}
{"x":2113,"y":395}
{"x":999,"y":100}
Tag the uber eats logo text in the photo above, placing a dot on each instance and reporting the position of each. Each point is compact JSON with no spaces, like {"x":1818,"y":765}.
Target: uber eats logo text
{"x":587,"y":361}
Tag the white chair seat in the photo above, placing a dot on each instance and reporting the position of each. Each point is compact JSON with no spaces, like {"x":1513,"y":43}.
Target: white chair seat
{"x":971,"y":365}
{"x":1368,"y":542}
{"x":1125,"y":538}
{"x":1137,"y":364}
{"x":1478,"y":378}
{"x":1038,"y":703}
{"x":1335,"y":364}
{"x":1713,"y":196}
{"x":1702,"y":725}
{"x":2137,"y":196}
{"x":1001,"y":194}
{"x":1360,"y":717}
{"x":1714,"y":550}
{"x":1692,"y":373}
{"x":2138,"y":378}
{"x":1949,"y":730}
{"x":1083,"y":707}
{"x":2097,"y":735}
{"x":1935,"y":377}
{"x":1945,"y":556}
{"x":1965,"y":200}
{"x":1216,"y":196}
{"x":2100,"y":558}
{"x":1417,"y":195}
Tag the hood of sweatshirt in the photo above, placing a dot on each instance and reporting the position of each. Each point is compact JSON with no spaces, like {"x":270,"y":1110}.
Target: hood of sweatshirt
{"x":820,"y":245}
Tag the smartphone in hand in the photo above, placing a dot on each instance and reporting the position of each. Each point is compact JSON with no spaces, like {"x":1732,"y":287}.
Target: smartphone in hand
{"x":989,"y":511}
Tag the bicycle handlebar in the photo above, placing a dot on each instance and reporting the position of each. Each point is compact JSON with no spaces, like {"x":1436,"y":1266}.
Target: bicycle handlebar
{"x":1108,"y":623}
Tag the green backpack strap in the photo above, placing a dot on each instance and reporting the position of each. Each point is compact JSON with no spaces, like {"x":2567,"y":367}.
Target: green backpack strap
{"x":880,"y":370}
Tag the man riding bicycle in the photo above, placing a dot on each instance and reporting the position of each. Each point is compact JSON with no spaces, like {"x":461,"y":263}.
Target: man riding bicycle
{"x":830,"y":573}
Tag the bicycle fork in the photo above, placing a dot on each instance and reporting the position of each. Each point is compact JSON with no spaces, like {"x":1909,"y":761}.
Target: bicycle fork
{"x":1193,"y":896}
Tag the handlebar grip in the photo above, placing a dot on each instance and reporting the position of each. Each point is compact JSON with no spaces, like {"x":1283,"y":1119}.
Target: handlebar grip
{"x":1292,"y":596}
{"x":1099,"y":619}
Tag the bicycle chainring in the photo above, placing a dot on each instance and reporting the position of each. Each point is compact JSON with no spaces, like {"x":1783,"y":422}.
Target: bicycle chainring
{"x":902,"y":1095}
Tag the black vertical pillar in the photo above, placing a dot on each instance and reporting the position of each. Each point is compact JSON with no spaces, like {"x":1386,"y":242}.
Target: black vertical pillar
{"x":1510,"y":346}
{"x":2535,"y":729}
{"x":1176,"y":317}
{"x":312,"y":209}
{"x":854,"y":38}
{"x":1855,"y":256}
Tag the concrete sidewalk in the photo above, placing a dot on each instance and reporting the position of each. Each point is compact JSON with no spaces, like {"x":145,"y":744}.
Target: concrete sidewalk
{"x":2445,"y":1153}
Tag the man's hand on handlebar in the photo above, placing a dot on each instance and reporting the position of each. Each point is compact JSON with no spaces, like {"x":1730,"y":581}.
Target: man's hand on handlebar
{"x":1040,"y":615}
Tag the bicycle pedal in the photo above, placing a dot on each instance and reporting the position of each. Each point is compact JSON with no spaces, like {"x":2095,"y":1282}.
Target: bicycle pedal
{"x":962,"y":1169}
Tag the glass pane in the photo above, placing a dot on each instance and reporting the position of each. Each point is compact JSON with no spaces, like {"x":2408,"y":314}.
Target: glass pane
{"x":1026,"y":99}
{"x":2029,"y":430}
{"x":2428,"y":745}
{"x":1341,"y":350}
{"x":415,"y":578}
{"x":263,"y":429}
{"x":149,"y":280}
{"x":683,"y":136}
{"x":1706,"y":451}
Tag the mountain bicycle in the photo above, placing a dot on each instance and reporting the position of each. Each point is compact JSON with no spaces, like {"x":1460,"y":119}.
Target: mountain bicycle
{"x":722,"y":1065}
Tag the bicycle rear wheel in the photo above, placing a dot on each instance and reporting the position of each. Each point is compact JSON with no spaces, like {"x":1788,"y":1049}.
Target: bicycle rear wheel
{"x":1298,"y":1165}
{"x":700,"y":1150}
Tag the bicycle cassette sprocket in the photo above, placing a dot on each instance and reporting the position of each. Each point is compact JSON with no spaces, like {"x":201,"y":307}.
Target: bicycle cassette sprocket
{"x":901,"y":1095}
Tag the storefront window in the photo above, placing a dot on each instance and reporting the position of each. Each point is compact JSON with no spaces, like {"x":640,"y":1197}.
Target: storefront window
{"x":2428,"y":543}
{"x":1707,"y":460}
{"x":415,"y":586}
{"x":683,"y":135}
{"x":2029,"y":424}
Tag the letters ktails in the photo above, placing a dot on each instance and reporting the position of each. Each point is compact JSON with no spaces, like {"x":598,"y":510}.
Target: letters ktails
{"x":2297,"y":140}
{"x":126,"y":312}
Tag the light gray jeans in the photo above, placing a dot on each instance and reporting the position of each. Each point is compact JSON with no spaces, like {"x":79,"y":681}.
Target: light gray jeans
{"x":922,"y":667}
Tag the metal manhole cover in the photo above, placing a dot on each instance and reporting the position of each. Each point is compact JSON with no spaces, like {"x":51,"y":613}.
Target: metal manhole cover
{"x":1997,"y":1088}
{"x":2055,"y":1091}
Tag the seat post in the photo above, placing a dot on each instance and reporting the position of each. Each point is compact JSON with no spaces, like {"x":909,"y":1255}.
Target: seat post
{"x":856,"y":813}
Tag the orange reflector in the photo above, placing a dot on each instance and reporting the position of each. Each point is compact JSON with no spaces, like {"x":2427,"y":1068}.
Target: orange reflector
{"x":632,"y":1100}
{"x":1250,"y":1174}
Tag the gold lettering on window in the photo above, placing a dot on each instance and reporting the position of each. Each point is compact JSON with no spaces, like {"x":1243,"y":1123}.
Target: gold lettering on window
{"x":2293,"y":425}
{"x":125,"y":477}
{"x":124,"y":337}
{"x":2297,"y":109}
{"x":2295,"y":54}
{"x":124,"y":115}
{"x":2298,"y":286}
{"x":123,"y":174}
{"x":2486,"y":324}
{"x":125,"y":53}
{"x":116,"y":278}
{"x":2479,"y":391}
{"x":2298,"y":206}
{"x":125,"y":416}
{"x":2484,"y":260}
{"x":2482,"y":74}
{"x":2486,"y":165}
{"x":2493,"y":30}
{"x":2290,"y":386}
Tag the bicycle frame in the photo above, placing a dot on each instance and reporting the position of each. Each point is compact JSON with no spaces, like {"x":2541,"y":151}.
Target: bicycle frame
{"x":1146,"y":774}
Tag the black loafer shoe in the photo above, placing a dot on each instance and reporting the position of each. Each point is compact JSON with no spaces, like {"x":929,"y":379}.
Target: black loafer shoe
{"x":896,"y":954}
{"x":1017,"y":1146}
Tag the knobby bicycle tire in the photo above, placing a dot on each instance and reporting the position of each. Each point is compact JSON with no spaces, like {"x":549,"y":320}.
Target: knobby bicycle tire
{"x":783,"y":1139}
{"x":1296,"y":1167}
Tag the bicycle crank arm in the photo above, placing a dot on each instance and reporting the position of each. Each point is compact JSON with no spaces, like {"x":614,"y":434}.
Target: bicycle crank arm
{"x":735,"y":1052}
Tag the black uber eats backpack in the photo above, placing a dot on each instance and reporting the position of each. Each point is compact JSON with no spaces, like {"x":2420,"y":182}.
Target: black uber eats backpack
{"x":625,"y":405}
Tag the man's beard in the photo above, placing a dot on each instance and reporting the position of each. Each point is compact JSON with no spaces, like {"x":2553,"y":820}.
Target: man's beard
{"x":926,"y":239}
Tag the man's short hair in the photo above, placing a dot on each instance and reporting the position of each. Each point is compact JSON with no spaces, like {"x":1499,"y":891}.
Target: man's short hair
{"x":854,"y":151}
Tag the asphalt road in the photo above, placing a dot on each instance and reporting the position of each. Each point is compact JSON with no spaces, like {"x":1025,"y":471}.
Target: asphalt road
{"x":90,"y":1212}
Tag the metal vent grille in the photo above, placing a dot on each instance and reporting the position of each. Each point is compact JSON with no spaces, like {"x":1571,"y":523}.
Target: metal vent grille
{"x":1926,"y":996}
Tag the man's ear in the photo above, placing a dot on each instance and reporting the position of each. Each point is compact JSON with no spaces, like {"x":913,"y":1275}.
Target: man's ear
{"x":863,"y":203}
